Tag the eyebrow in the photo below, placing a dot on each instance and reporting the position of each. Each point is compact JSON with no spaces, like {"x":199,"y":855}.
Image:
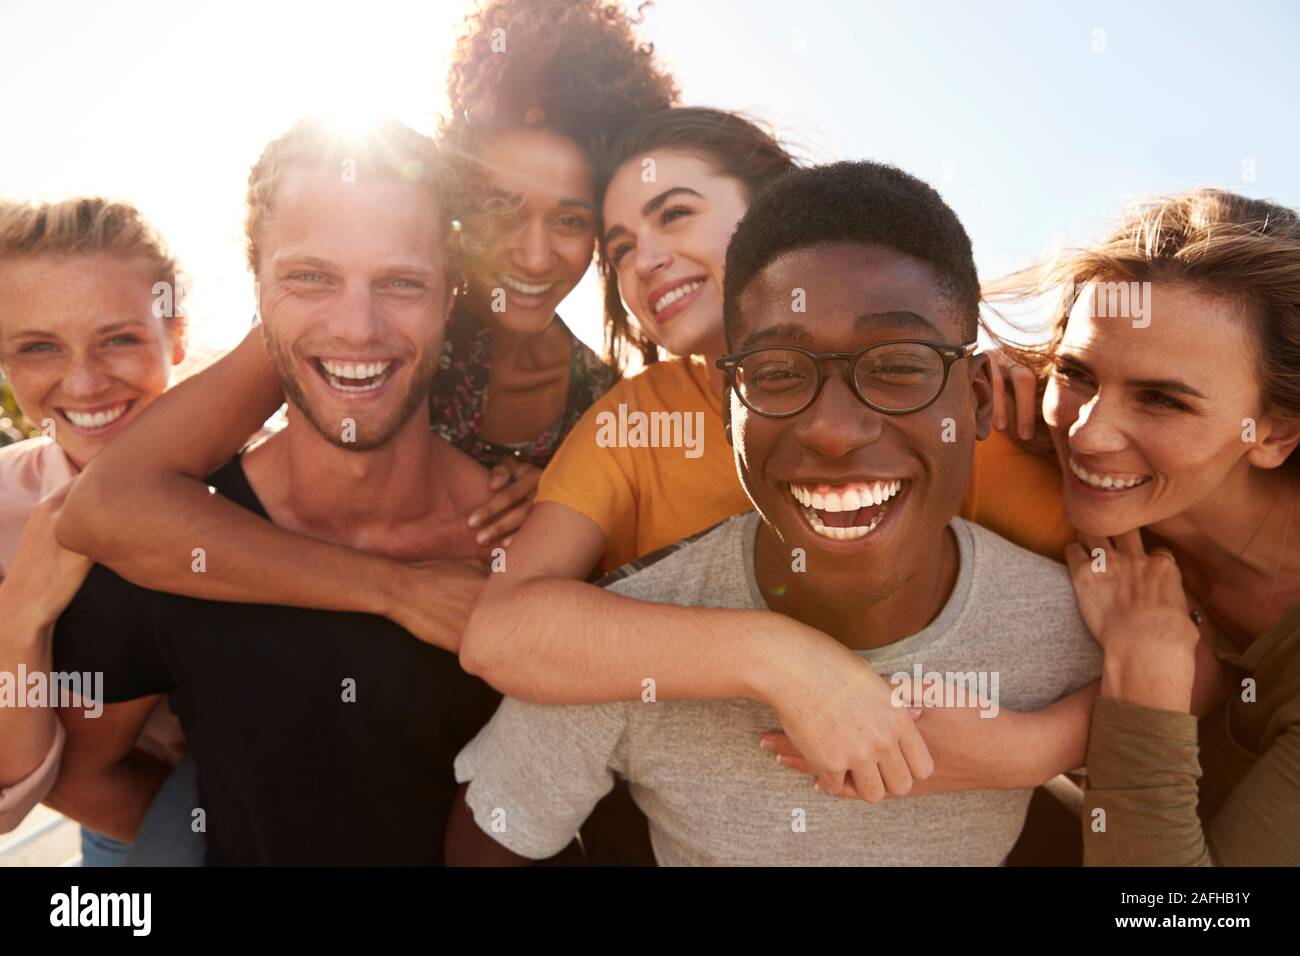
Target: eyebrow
{"x":895,"y":319}
{"x":294,"y":259}
{"x":787,"y":331}
{"x":650,"y":206}
{"x":1158,"y":384}
{"x":102,"y":330}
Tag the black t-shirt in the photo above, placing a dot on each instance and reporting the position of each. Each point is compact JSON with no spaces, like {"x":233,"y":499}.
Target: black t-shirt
{"x":320,"y":737}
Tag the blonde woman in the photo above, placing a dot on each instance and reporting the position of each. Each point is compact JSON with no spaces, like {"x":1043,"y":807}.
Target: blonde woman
{"x":85,"y":350}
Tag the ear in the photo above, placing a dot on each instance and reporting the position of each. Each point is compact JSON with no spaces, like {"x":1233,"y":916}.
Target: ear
{"x":1275,"y":440}
{"x":726,"y":416}
{"x":178,"y":333}
{"x":981,"y":385}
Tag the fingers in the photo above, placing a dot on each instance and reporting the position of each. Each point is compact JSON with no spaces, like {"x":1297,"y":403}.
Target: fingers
{"x":917,"y":754}
{"x":794,"y":762}
{"x":503,"y":501}
{"x":506,"y":525}
{"x":1075,"y":557}
{"x":896,"y":776}
{"x":502,"y":473}
{"x":1091,"y":543}
{"x":1024,"y":389}
{"x":868,"y":783}
{"x":832,"y":785}
{"x":999,"y":394}
{"x":1130,"y":543}
{"x":778,"y":743}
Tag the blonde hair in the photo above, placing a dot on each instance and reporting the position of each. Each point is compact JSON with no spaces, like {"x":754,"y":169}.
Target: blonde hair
{"x":1243,"y":250}
{"x":85,"y":226}
{"x":388,"y":151}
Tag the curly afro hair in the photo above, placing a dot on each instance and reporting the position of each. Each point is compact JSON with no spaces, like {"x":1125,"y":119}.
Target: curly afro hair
{"x":866,"y":202}
{"x":573,"y":66}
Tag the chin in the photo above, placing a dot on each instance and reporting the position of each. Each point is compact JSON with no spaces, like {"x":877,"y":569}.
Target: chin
{"x":532,"y":322}
{"x":1102,"y":522}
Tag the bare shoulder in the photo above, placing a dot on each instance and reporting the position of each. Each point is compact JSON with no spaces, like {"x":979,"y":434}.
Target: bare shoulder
{"x":463,"y":477}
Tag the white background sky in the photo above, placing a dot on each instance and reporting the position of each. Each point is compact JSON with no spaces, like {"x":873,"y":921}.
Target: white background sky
{"x":1037,"y":121}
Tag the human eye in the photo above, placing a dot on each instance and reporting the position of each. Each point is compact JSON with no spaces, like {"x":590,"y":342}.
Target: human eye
{"x":1159,"y":400}
{"x":617,"y":252}
{"x":572,"y":222}
{"x":37,"y":348}
{"x":1067,"y":371}
{"x":672,"y":213}
{"x":775,"y":372}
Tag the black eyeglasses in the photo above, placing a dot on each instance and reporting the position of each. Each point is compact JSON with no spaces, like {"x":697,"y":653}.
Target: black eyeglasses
{"x":895,"y":377}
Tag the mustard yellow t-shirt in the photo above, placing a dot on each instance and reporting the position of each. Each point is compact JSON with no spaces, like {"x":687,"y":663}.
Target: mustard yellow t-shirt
{"x":645,"y":498}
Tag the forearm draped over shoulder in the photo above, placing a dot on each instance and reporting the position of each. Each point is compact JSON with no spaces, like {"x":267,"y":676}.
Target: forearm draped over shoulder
{"x":1143,"y":772}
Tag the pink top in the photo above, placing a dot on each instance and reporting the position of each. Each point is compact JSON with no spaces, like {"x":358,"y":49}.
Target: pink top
{"x":30,"y":470}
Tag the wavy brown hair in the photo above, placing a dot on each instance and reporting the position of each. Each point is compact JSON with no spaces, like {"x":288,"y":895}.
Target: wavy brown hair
{"x":1243,"y":250}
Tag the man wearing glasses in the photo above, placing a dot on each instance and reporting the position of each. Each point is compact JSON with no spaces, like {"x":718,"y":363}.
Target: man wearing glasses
{"x":854,"y":424}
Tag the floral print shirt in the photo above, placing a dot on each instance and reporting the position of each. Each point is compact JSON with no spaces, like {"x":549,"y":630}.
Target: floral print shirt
{"x":460,"y":393}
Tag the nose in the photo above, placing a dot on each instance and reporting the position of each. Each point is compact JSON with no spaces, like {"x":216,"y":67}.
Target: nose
{"x":652,"y":257}
{"x":87,"y":378}
{"x":358,"y":320}
{"x":837,"y":423}
{"x":531,"y":248}
{"x":1096,"y":429}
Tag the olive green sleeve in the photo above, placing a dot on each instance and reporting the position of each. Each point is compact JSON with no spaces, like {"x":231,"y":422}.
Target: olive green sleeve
{"x":1143,"y":769}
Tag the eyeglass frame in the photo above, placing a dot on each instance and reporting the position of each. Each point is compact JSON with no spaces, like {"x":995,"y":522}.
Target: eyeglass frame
{"x":950,"y":354}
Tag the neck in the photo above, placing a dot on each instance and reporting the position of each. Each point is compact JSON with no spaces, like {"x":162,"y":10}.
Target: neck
{"x":883,"y":619}
{"x":345,"y":495}
{"x":1242,"y":526}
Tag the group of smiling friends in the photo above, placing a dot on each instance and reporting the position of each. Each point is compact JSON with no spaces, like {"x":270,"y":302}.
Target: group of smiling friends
{"x":439,"y":616}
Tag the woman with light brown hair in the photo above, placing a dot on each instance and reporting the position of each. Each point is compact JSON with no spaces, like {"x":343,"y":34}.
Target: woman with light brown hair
{"x":90,"y":327}
{"x":1169,"y":393}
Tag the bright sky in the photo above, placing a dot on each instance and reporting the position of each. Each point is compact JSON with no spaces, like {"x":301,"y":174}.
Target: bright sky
{"x":1036,"y":121}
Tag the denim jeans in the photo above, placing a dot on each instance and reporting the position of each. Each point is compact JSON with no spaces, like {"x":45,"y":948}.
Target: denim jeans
{"x":166,"y":837}
{"x":100,"y":850}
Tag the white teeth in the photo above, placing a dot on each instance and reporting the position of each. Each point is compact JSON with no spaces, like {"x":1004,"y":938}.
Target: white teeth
{"x":527,"y":288}
{"x":340,"y":374}
{"x":355,"y":369}
{"x":841,"y":534}
{"x":848,"y":498}
{"x":1104,"y":482}
{"x":99,"y":419}
{"x":671,"y":296}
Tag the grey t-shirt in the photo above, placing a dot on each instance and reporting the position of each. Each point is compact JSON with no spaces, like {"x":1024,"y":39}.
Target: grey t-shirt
{"x":714,"y":797}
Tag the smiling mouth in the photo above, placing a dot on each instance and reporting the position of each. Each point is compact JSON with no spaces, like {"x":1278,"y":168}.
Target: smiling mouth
{"x":96,"y":419}
{"x":847,"y":512}
{"x":1105,"y":482}
{"x":525,"y":288}
{"x":676,"y":294}
{"x":354,"y":377}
